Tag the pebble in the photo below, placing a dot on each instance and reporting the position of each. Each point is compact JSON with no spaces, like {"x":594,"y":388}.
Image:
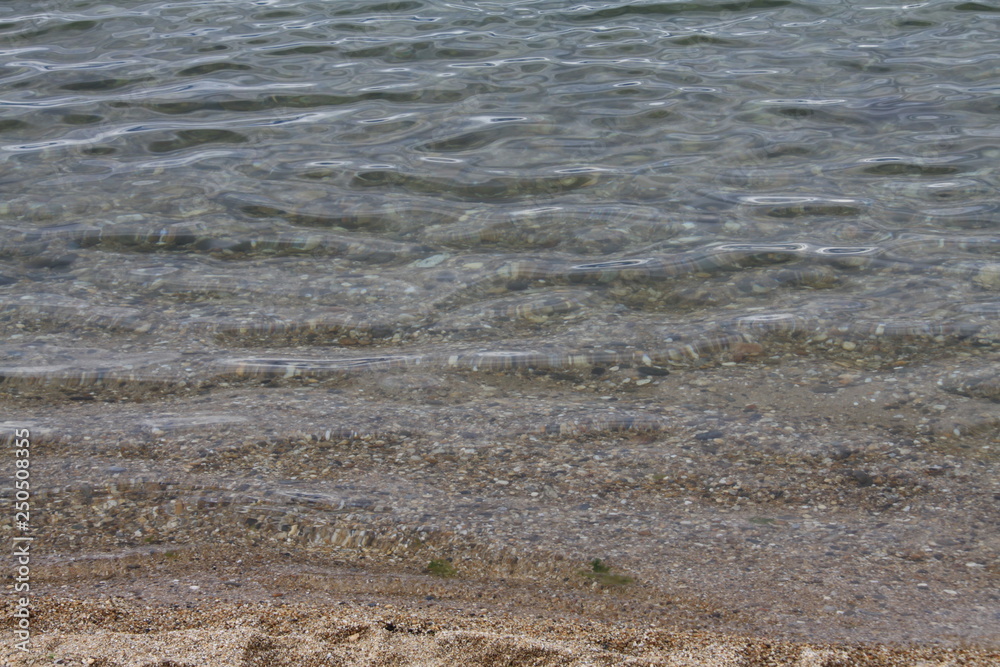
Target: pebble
{"x":862,"y":478}
{"x":841,"y":452}
{"x":430,"y":262}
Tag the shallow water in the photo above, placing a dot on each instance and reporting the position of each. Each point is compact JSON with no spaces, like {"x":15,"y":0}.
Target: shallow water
{"x":436,"y":232}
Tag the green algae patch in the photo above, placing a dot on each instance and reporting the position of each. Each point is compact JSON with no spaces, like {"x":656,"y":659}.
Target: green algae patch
{"x":441,"y":568}
{"x":601,"y":573}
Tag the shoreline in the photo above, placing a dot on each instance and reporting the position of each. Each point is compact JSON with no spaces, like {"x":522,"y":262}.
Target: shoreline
{"x":198,"y":606}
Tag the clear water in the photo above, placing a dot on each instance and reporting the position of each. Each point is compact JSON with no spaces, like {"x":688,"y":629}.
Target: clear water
{"x":373,"y":210}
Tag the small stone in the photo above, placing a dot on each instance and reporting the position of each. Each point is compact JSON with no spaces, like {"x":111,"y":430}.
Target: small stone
{"x":862,"y":478}
{"x":709,"y":435}
{"x":988,"y":276}
{"x":841,"y":452}
{"x":431,"y":261}
{"x":51,"y":261}
{"x":743,"y":351}
{"x":848,"y":345}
